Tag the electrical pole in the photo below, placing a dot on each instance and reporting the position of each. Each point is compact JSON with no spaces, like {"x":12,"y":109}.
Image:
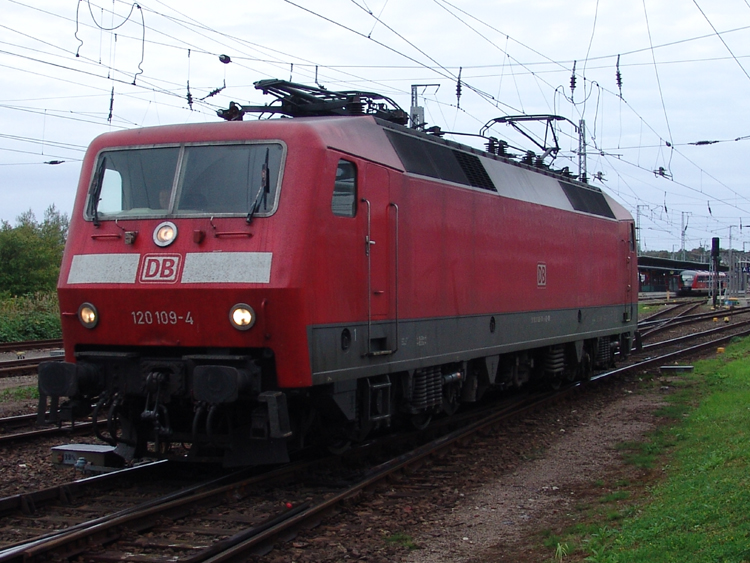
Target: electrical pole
{"x":682,"y":237}
{"x":732,"y":270}
{"x":638,"y":226}
{"x":715,"y":250}
{"x":582,"y":151}
{"x":416,"y":115}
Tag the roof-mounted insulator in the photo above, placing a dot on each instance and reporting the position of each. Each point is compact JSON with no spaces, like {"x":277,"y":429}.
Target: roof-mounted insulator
{"x":234,"y":113}
{"x":458,"y":88}
{"x":189,"y":96}
{"x":573,"y":80}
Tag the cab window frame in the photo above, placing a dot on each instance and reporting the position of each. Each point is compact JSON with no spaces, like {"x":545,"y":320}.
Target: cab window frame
{"x":345,"y":189}
{"x":177,"y":205}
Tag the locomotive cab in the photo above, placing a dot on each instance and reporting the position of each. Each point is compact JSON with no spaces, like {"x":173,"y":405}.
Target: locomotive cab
{"x":159,"y":348}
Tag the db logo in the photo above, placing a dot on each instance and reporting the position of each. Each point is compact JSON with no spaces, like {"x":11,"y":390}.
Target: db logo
{"x":541,"y":275}
{"x":160,"y":268}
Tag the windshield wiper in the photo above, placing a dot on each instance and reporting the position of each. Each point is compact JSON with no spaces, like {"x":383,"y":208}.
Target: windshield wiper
{"x":98,"y":190}
{"x":265,"y":188}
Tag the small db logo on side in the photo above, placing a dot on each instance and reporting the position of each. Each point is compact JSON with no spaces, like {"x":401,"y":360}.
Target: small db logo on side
{"x":160,"y":268}
{"x":541,"y":275}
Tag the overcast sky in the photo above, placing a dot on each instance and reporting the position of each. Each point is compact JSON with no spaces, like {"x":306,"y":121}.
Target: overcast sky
{"x":684,"y":67}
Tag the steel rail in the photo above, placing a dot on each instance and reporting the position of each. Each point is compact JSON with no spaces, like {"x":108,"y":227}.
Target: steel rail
{"x":693,"y":336}
{"x":27,"y":366}
{"x":30,"y":345}
{"x":649,"y":362}
{"x":42,"y":432}
{"x":667,"y":324}
{"x":656,"y":317}
{"x":238,"y":553}
{"x":682,"y":314}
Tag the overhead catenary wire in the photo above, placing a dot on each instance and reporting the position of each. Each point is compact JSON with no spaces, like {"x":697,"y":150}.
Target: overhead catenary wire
{"x":721,"y":39}
{"x":531,"y":69}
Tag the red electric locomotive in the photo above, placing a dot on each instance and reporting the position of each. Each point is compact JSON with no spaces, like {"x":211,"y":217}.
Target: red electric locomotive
{"x":247,"y":287}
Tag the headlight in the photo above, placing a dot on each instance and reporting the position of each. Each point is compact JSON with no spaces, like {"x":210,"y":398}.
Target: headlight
{"x":165,"y":233}
{"x":242,"y":316}
{"x":88,"y":315}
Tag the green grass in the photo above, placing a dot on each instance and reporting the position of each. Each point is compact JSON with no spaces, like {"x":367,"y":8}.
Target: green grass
{"x":700,"y":510}
{"x":647,"y":309}
{"x":615,"y":496}
{"x":33,"y":317}
{"x":19,"y":394}
{"x":403,"y":540}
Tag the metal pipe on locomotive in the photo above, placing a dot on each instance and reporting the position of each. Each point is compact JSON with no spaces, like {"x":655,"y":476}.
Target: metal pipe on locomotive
{"x":245,"y":288}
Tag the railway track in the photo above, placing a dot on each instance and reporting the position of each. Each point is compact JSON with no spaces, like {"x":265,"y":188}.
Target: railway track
{"x":30,"y":345}
{"x":26,"y":366}
{"x":221,"y":522}
{"x":23,"y":428}
{"x":244,"y":514}
{"x":23,"y":365}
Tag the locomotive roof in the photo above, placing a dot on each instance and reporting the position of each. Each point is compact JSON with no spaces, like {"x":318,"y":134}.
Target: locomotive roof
{"x":395,"y":146}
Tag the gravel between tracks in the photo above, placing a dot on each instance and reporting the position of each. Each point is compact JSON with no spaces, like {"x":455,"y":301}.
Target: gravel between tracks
{"x":28,"y":467}
{"x":488,"y":501}
{"x":494,"y":521}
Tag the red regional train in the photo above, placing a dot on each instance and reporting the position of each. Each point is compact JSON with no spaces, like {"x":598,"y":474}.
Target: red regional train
{"x":696,"y":282}
{"x":247,"y":287}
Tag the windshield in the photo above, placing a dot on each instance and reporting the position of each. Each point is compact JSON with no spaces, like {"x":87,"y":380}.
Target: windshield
{"x":189,"y":180}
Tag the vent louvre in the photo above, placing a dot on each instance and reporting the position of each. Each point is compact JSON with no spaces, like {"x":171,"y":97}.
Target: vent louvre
{"x":588,"y":200}
{"x":438,"y":161}
{"x":474,"y":170}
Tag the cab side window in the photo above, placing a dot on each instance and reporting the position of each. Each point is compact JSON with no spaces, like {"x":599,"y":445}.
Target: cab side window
{"x":344,"y":201}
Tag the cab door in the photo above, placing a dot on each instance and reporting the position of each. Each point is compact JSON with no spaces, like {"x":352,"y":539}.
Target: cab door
{"x":377,"y":226}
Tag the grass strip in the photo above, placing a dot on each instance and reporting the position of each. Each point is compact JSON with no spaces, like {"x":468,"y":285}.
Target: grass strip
{"x":700,"y":511}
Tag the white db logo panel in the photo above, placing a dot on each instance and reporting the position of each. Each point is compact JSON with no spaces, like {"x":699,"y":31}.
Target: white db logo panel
{"x":160,"y":268}
{"x":541,"y":275}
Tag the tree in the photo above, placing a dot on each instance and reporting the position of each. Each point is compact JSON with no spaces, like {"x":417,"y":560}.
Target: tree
{"x":31,"y":252}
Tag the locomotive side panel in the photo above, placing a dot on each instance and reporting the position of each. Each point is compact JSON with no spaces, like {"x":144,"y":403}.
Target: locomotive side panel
{"x":469,"y":257}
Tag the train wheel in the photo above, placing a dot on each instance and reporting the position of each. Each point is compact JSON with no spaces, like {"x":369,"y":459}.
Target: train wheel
{"x":626,"y":345}
{"x":571,"y":374}
{"x":420,"y":421}
{"x":517,"y":377}
{"x":585,"y":368}
{"x":451,"y":395}
{"x":338,"y":447}
{"x":360,"y":432}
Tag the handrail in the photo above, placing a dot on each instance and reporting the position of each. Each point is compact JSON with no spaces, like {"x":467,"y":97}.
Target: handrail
{"x":395,"y":206}
{"x":368,"y":243}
